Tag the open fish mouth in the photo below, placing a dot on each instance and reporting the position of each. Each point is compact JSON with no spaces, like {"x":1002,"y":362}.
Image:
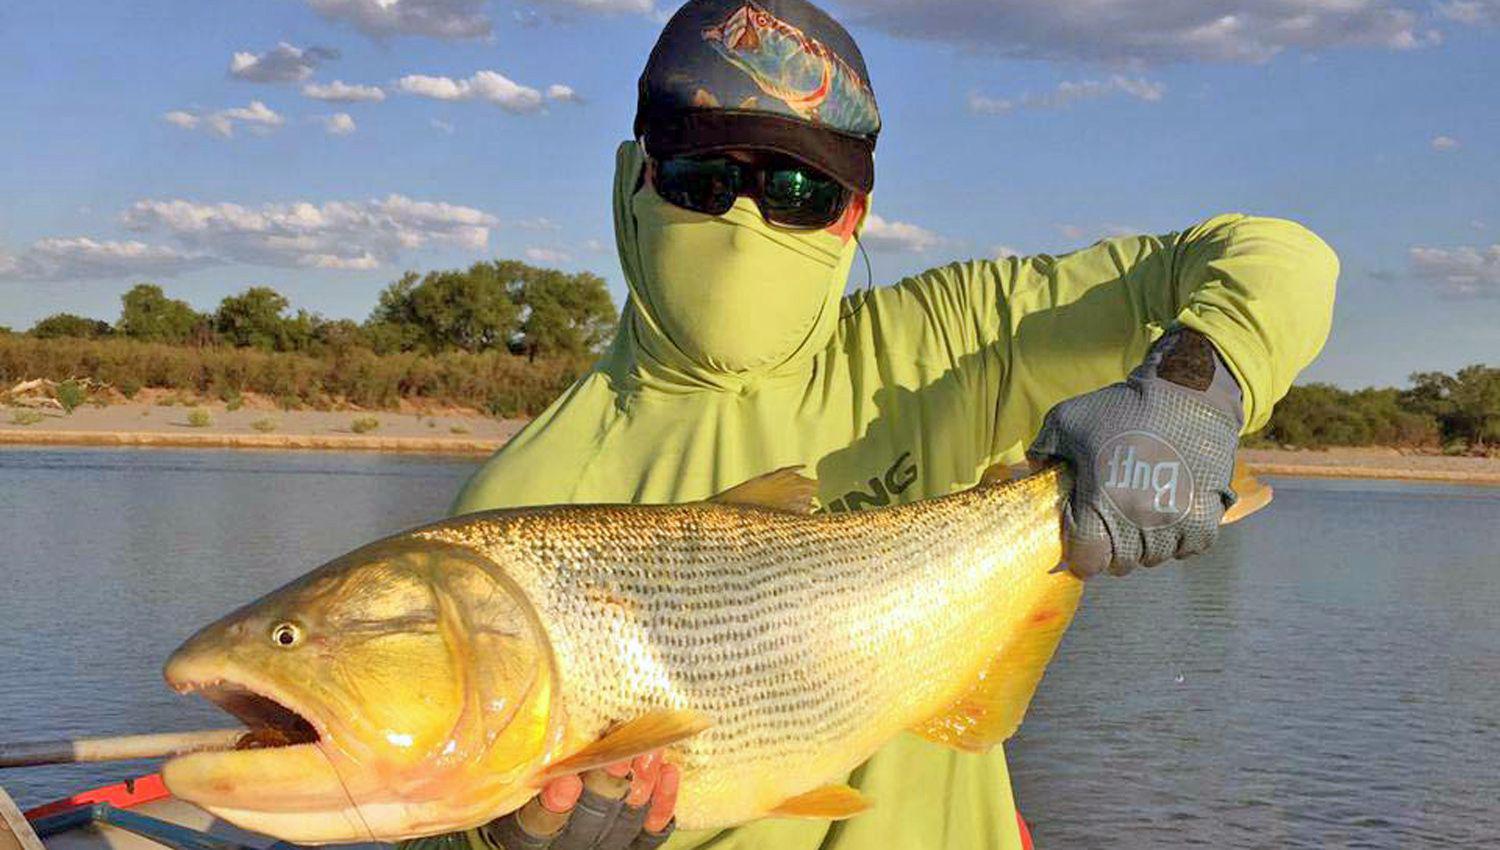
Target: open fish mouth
{"x":270,"y":721}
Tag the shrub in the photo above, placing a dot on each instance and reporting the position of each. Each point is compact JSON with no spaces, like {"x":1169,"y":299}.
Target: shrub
{"x":364,"y":425}
{"x":199,"y":418}
{"x":70,"y":394}
{"x":25,"y":416}
{"x":458,"y":429}
{"x":265,"y":426}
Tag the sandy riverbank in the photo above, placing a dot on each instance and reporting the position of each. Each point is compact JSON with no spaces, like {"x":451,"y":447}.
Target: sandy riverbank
{"x":255,"y":427}
{"x":465,"y":432}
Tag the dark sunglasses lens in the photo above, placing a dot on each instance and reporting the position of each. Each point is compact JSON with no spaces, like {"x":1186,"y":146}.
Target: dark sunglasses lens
{"x":803,"y":198}
{"x":702,"y":185}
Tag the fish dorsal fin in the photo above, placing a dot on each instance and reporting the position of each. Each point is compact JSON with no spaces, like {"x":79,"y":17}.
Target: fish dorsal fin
{"x":628,"y":740}
{"x":991,"y":708}
{"x":1253,"y":495}
{"x":831,"y":802}
{"x":783,"y":490}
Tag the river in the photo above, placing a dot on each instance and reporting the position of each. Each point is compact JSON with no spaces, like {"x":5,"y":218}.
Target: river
{"x":1328,"y":676}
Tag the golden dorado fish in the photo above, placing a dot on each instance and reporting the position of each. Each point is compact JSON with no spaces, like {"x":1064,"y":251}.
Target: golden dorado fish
{"x":433,"y":681}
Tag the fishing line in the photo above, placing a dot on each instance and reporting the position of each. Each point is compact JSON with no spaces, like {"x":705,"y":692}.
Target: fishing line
{"x":869,"y":281}
{"x":349,"y":795}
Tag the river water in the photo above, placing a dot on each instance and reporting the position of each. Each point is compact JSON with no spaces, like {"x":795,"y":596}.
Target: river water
{"x":1328,"y":676}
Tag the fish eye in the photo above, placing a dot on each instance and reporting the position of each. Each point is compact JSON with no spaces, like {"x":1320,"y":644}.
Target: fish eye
{"x":286,"y":635}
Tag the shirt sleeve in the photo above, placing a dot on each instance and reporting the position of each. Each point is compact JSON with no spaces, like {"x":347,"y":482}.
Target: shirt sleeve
{"x":1032,"y":332}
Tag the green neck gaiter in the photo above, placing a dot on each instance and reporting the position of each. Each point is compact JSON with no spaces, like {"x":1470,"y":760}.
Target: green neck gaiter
{"x":727,"y":295}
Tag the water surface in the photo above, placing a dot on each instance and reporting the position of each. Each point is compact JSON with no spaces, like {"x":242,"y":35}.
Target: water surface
{"x":1329,"y":676}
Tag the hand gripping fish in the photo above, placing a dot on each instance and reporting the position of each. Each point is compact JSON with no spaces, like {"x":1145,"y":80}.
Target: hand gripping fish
{"x":435,"y":680}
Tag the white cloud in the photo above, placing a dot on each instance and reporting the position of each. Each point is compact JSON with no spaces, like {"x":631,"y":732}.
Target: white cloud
{"x":638,"y":7}
{"x":563,"y":94}
{"x":1445,"y":143}
{"x":446,"y":19}
{"x":84,"y":258}
{"x":538,"y":223}
{"x":489,"y":86}
{"x":333,"y":235}
{"x":1068,"y":92}
{"x":880,"y":234}
{"x":179,"y":118}
{"x":339,"y":124}
{"x":548,"y":255}
{"x":594,"y":246}
{"x":339,"y":91}
{"x":257,"y":117}
{"x":1146,"y":31}
{"x":1473,"y":13}
{"x":1463,"y":272}
{"x":1002,"y":252}
{"x":441,"y":126}
{"x":285,"y":63}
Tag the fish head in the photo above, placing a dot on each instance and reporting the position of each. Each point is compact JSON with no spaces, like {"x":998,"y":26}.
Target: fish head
{"x":400,"y":691}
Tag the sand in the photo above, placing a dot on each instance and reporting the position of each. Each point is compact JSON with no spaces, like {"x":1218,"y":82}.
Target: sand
{"x":466,"y":432}
{"x":144,"y":424}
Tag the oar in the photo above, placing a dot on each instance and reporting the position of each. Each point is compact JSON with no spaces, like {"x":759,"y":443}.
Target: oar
{"x":33,"y":753}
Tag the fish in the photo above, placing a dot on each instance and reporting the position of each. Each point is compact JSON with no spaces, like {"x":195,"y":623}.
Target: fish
{"x":800,"y":71}
{"x":435,"y":680}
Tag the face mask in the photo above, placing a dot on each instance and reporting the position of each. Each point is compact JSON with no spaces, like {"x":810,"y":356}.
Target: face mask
{"x":732,"y":292}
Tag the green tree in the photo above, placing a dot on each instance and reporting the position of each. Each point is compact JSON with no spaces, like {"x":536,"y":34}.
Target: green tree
{"x":468,"y":310}
{"x":148,"y":315}
{"x":562,"y":313}
{"x":256,"y":318}
{"x":1466,"y":404}
{"x":70,"y":325}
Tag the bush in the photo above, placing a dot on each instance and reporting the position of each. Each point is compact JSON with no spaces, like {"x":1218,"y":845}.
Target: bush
{"x":364,"y":425}
{"x":265,"y":426}
{"x":70,"y":394}
{"x":495,"y":381}
{"x":458,"y":429}
{"x":199,"y":418}
{"x":26,"y":417}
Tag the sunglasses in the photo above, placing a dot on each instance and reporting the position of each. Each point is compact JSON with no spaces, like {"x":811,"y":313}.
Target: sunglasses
{"x":788,"y":193}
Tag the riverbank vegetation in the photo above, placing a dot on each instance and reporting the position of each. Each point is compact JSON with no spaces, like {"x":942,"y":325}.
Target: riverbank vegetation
{"x":1458,"y":413}
{"x":502,"y":337}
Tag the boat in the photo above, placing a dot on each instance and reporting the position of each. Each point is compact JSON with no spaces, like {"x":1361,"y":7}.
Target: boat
{"x":137,"y":814}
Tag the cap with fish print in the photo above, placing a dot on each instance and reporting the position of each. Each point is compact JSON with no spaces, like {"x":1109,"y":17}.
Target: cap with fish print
{"x":776,"y":75}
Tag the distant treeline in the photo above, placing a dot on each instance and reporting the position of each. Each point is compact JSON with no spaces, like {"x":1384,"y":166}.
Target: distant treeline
{"x":503,"y":337}
{"x":1454,"y":412}
{"x":504,"y":305}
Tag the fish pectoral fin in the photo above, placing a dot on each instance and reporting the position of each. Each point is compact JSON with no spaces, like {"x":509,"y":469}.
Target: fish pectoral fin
{"x":628,"y":740}
{"x":783,"y":490}
{"x":992,"y":707}
{"x":831,"y":802}
{"x":1252,"y":494}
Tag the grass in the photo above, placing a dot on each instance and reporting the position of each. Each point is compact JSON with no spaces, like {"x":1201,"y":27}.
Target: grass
{"x":26,"y":417}
{"x":364,"y":425}
{"x":496,"y":382}
{"x":265,"y":426}
{"x":199,"y":418}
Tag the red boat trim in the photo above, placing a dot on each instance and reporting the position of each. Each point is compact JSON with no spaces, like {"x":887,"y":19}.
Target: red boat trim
{"x":123,"y":795}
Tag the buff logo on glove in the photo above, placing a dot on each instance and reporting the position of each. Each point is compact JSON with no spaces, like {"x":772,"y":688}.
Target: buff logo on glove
{"x":1144,"y":476}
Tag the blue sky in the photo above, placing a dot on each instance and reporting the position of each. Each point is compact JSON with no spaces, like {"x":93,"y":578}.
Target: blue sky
{"x":176,"y":141}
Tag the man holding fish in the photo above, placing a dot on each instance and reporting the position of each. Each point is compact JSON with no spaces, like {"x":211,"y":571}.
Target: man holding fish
{"x":738,"y":209}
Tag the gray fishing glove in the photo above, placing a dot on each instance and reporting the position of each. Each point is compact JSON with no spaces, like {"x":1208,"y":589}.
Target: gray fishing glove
{"x":1152,"y":458}
{"x":601,"y":820}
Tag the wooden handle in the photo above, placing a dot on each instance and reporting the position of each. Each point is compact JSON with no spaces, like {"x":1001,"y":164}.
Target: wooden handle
{"x":33,"y":753}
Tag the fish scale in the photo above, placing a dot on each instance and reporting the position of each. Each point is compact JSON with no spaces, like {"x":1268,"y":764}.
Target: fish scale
{"x":806,"y":642}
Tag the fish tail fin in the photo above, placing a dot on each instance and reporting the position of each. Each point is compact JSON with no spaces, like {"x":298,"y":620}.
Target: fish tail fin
{"x":992,"y":707}
{"x":1252,"y":494}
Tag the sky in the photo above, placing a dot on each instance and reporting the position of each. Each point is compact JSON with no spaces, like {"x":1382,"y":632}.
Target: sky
{"x":322,"y":147}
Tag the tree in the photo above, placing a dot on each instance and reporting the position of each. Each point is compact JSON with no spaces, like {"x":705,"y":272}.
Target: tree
{"x":70,"y":325}
{"x":1467,"y":404}
{"x":148,"y":315}
{"x":256,"y":318}
{"x":563,"y":313}
{"x":469,"y":310}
